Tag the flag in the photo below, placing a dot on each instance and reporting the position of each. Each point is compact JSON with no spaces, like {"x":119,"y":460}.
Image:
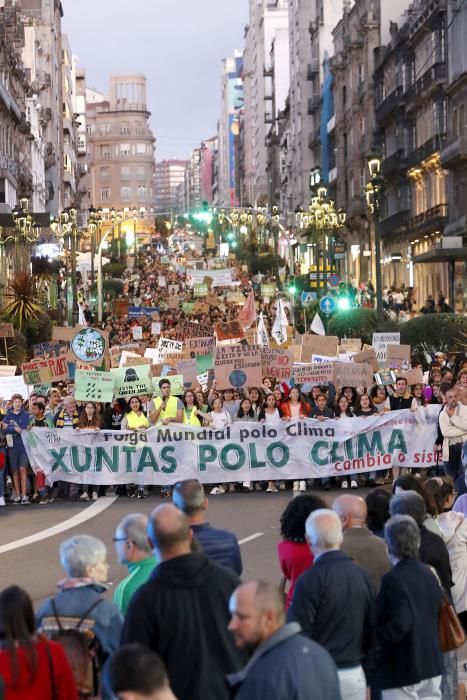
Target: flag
{"x":262,"y":334}
{"x":247,"y":315}
{"x":279,"y":329}
{"x":317,"y":325}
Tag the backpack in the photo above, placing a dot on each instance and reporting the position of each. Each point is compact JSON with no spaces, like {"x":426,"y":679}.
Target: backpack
{"x":80,"y":646}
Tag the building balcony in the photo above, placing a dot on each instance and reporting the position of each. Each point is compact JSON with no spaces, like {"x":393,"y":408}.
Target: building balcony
{"x":314,"y":104}
{"x":456,"y":226}
{"x":9,"y":165}
{"x":394,"y":163}
{"x":433,"y":78}
{"x":312,"y":69}
{"x":454,"y":152}
{"x":430,"y":220}
{"x":390,"y":103}
{"x":394,"y":222}
{"x":314,"y":138}
{"x":426,"y":149}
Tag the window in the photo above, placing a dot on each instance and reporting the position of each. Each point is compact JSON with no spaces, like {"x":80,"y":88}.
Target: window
{"x":105,"y":172}
{"x":361,"y":73}
{"x":362,"y":125}
{"x":88,"y":129}
{"x":141,"y":149}
{"x":124,"y":170}
{"x":104,"y":152}
{"x":125,"y":149}
{"x":125,"y":192}
{"x":141,"y":171}
{"x":81,"y":143}
{"x":125,"y":129}
{"x":141,"y":191}
{"x":105,"y":194}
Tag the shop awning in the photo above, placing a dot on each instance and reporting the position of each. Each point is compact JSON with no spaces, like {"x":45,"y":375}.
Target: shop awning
{"x":441,"y":255}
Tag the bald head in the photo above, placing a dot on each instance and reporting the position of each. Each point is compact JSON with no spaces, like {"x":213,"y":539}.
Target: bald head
{"x":257,"y":610}
{"x":351,"y":510}
{"x":169,"y":532}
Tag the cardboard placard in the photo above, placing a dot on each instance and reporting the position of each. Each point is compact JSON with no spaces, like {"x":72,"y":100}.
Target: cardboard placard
{"x":7,"y":330}
{"x":398,"y":356}
{"x":93,"y":386}
{"x":321,"y":373}
{"x":200,"y":346}
{"x":368,"y":355}
{"x":212,"y":300}
{"x":156,"y":327}
{"x":129,"y":359}
{"x":41,"y":389}
{"x":173,"y":302}
{"x":318,"y":345}
{"x":230,"y":330}
{"x":168,"y":346}
{"x":237,"y":366}
{"x":176,"y":384}
{"x":188,"y":369}
{"x":66,"y":333}
{"x":380,"y":341}
{"x":350,"y":345}
{"x":353,"y":374}
{"x":297,"y":352}
{"x":413,"y":376}
{"x":13,"y":385}
{"x":385,"y":377}
{"x":191,"y":329}
{"x":132,"y":381}
{"x":137,"y":332}
{"x":277,"y":363}
{"x":200,"y":307}
{"x":36,"y":372}
{"x":236,"y":298}
{"x":90,"y":345}
{"x":7,"y":370}
{"x":268,"y":290}
{"x":200,"y":290}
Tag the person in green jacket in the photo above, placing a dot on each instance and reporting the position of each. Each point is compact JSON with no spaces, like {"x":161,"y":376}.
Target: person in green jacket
{"x":134,"y":551}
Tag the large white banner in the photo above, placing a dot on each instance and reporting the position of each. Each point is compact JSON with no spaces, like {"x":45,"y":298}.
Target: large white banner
{"x":241,"y":452}
{"x":220,"y":278}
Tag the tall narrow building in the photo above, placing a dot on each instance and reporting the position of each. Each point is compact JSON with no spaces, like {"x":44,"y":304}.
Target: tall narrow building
{"x":228,"y":129}
{"x":170,"y":174}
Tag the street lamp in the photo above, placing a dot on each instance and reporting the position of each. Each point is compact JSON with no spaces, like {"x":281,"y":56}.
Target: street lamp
{"x":374,"y":191}
{"x":69,"y":228}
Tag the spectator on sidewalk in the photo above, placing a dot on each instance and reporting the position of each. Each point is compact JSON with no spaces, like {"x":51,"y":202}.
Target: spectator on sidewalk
{"x":134,"y":551}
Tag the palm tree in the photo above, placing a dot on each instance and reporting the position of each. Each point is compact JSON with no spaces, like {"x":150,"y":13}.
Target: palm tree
{"x":25,"y":299}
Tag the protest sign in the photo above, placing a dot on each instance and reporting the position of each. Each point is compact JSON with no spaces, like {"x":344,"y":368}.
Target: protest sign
{"x":66,"y":333}
{"x":58,"y":368}
{"x":200,"y":307}
{"x":188,"y":369}
{"x":7,"y":370}
{"x":240,"y":452}
{"x":154,"y":355}
{"x":36,"y":372}
{"x":413,"y":376}
{"x":161,"y":281}
{"x":200,"y":346}
{"x":369,"y":356}
{"x":237,"y":366}
{"x":297,"y":352}
{"x":190,"y":329}
{"x":380,"y":341}
{"x":132,"y":381}
{"x":204,"y":363}
{"x":167,"y":346}
{"x":13,"y":385}
{"x":176,"y":384}
{"x":173,"y":303}
{"x":137,"y":332}
{"x":50,"y":349}
{"x":91,"y":385}
{"x":276,"y":363}
{"x":323,"y":358}
{"x":385,"y":377}
{"x":131,"y":359}
{"x":318,"y":345}
{"x":216,"y":278}
{"x":7,"y":330}
{"x":212,"y":300}
{"x":230,"y":330}
{"x":120,"y":308}
{"x":398,"y":356}
{"x":156,"y":327}
{"x":200,"y":290}
{"x":137,"y":311}
{"x":202,"y":380}
{"x":350,"y":345}
{"x":236,"y":298}
{"x":268,"y":290}
{"x":172,"y":290}
{"x":353,"y":374}
{"x":89,"y":345}
{"x":41,"y":389}
{"x":321,"y":373}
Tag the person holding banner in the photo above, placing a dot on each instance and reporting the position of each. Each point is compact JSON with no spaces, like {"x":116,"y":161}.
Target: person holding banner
{"x":38,"y":419}
{"x":295,"y":408}
{"x":192,"y":415}
{"x":14,"y":422}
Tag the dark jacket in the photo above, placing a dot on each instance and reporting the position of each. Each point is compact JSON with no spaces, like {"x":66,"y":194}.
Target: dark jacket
{"x":369,"y":551}
{"x":221,"y":546}
{"x":334,"y":603}
{"x":288,"y":666}
{"x":408,"y":619}
{"x":433,"y":551}
{"x":182,"y":613}
{"x":398,"y":403}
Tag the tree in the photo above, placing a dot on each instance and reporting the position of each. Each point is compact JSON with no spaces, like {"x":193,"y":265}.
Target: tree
{"x":432,"y":332}
{"x":25,"y":300}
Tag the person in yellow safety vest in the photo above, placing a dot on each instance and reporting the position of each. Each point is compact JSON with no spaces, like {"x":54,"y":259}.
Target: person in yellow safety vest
{"x":135,"y":418}
{"x":192,"y":415}
{"x":166,"y":408}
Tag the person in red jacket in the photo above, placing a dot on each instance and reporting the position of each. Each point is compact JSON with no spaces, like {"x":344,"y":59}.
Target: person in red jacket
{"x":31,"y":667}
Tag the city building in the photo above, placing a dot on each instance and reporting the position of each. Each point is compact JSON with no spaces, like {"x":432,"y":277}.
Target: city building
{"x":44,"y":59}
{"x":120,"y":145}
{"x":410,"y":101}
{"x":193,"y":198}
{"x":83,"y":196}
{"x":266,"y":20}
{"x":70,"y":127}
{"x":454,"y":158}
{"x":169,"y":175}
{"x":228,"y":194}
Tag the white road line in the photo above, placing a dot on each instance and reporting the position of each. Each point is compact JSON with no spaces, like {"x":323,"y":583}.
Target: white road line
{"x":90,"y":512}
{"x":251,"y":537}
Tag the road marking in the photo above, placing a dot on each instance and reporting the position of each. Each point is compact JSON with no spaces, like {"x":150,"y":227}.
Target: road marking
{"x":251,"y":537}
{"x":90,"y":512}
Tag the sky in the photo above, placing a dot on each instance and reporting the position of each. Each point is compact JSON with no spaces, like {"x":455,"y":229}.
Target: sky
{"x":177,"y":44}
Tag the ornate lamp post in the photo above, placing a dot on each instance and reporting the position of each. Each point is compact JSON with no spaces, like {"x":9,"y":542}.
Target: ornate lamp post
{"x":374,"y":191}
{"x":70,"y":231}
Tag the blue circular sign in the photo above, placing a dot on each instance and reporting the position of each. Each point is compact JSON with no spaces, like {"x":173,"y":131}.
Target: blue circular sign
{"x":327,"y":305}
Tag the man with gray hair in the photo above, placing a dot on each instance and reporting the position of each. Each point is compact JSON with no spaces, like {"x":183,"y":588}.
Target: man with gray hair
{"x":134,"y":551}
{"x":220,"y":545}
{"x":433,"y":550}
{"x":410,"y":661}
{"x":284,"y":664}
{"x":334,"y":603}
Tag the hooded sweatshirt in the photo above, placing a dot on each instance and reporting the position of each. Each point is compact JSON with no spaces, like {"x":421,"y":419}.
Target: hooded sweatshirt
{"x":182,"y":614}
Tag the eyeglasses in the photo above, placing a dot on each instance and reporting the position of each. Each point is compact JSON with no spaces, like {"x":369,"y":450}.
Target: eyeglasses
{"x":119,"y":539}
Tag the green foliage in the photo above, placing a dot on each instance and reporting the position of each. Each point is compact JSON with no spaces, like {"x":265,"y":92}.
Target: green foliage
{"x":260,"y":263}
{"x":112,"y":286}
{"x":359,"y":322}
{"x":38,"y":332}
{"x":17,"y":350}
{"x":24,"y":300}
{"x":114,"y":268}
{"x":431,"y":332}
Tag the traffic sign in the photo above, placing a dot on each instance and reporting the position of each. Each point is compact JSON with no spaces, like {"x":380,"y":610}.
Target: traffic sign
{"x":327,"y":305}
{"x":334,"y":279}
{"x":308,"y":297}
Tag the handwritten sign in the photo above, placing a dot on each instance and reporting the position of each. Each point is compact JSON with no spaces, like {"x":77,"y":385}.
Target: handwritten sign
{"x":318,"y":345}
{"x":167,"y":345}
{"x":277,"y":363}
{"x":398,"y":356}
{"x":321,"y":373}
{"x":91,"y":385}
{"x":380,"y":341}
{"x":7,"y":330}
{"x":368,"y":355}
{"x":353,"y":374}
{"x":237,"y":366}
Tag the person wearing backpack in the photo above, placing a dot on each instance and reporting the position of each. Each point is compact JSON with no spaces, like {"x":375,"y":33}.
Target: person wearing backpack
{"x":31,"y":666}
{"x":78,"y":617}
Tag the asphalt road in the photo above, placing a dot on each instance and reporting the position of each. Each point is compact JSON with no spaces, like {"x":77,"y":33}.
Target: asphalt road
{"x":36,"y":567}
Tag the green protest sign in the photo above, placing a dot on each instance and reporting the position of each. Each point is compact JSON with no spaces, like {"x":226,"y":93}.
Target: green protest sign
{"x":93,"y":386}
{"x":268,"y":290}
{"x":204,"y":362}
{"x":41,"y":389}
{"x":187,"y":307}
{"x":200,"y":290}
{"x":176,"y":384}
{"x":132,"y":381}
